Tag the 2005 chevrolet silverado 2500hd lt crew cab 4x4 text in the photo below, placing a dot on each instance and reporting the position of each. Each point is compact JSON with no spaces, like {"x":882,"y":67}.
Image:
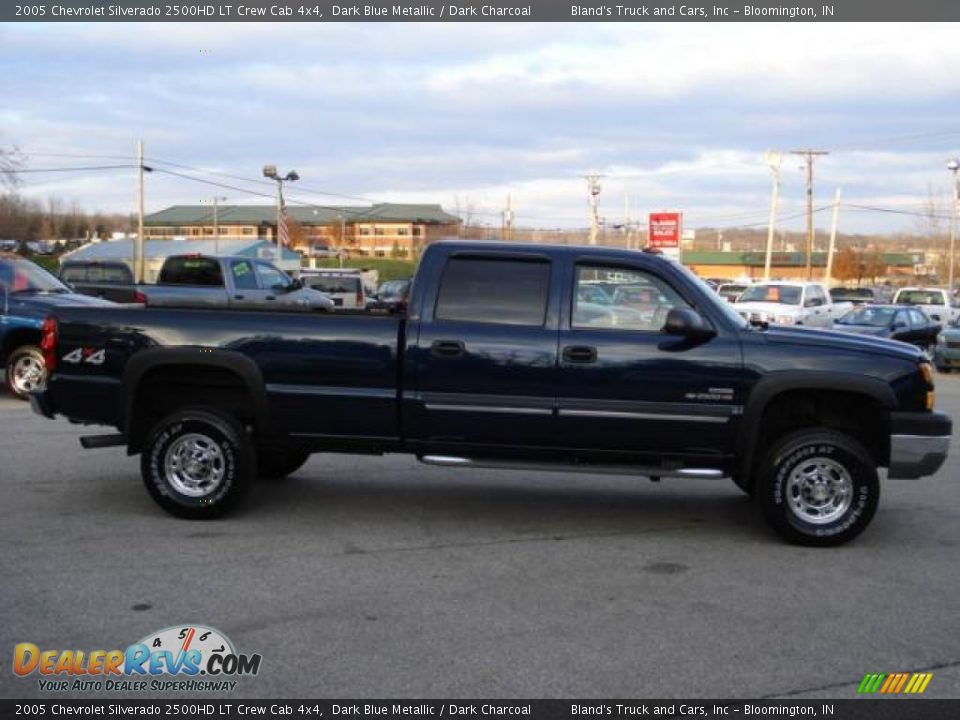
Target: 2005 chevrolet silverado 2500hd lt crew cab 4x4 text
{"x":502,"y":361}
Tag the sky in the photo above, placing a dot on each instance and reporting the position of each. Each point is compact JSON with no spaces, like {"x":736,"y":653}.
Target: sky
{"x":675,"y":116}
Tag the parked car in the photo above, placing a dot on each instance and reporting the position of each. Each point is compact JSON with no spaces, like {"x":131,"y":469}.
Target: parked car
{"x":895,"y":322}
{"x":28,"y":293}
{"x":391,"y":297}
{"x":790,"y":303}
{"x":731,"y":292}
{"x":947,"y":354}
{"x":493,"y":366}
{"x":935,"y":302}
{"x":205,"y":281}
{"x":110,"y":280}
{"x":857,"y":295}
{"x":344,"y":287}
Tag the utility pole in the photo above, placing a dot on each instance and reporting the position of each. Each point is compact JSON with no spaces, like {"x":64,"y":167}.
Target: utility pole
{"x":216,"y":223}
{"x":773,"y":160}
{"x":833,"y":238}
{"x":508,"y":221}
{"x":809,"y":155}
{"x":593,"y":186}
{"x":139,"y":245}
{"x":626,"y":219}
{"x":953,"y":166}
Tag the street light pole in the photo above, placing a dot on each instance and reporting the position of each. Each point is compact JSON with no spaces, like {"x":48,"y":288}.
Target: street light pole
{"x":270,"y":171}
{"x":773,"y":159}
{"x":953,"y":166}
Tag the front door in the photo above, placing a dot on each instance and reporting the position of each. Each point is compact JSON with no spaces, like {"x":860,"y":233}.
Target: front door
{"x":626,"y":386}
{"x":486,"y":355}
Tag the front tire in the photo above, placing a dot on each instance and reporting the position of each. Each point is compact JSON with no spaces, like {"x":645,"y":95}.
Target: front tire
{"x":197,"y":463}
{"x":25,"y":371}
{"x":818,"y":488}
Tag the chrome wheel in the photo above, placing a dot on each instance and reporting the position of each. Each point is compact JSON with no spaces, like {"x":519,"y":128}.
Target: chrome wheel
{"x":194,"y":465}
{"x":819,"y":491}
{"x":27,"y":374}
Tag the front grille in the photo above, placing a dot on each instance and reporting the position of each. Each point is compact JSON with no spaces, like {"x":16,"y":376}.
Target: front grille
{"x":954,"y":345}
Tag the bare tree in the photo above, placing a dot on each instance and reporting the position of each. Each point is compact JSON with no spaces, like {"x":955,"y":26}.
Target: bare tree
{"x":11,"y":160}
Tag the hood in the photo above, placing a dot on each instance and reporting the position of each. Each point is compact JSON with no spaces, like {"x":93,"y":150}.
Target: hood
{"x":790,"y":334}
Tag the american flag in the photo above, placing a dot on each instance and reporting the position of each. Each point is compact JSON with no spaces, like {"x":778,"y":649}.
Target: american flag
{"x":283,"y":231}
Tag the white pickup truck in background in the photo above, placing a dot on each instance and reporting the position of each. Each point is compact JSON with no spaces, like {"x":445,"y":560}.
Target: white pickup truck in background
{"x":790,"y":303}
{"x":935,"y":303}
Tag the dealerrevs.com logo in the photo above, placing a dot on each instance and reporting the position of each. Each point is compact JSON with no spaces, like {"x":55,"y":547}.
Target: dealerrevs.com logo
{"x":196,"y":657}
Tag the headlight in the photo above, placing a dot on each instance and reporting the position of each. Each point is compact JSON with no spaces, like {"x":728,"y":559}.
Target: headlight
{"x":785,"y":319}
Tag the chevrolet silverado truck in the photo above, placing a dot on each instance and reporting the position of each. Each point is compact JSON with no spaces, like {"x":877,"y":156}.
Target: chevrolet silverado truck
{"x":499,"y":361}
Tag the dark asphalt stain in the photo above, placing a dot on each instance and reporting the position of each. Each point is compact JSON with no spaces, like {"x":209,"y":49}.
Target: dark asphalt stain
{"x":140,"y":607}
{"x":666,"y":568}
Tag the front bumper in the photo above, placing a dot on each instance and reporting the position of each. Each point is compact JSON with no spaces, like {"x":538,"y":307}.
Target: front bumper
{"x":919,"y":443}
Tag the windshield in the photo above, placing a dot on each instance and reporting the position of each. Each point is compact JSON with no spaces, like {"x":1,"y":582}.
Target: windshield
{"x":783,"y":294}
{"x":874,"y":317}
{"x":919,"y":297}
{"x":22,"y":276}
{"x":336,"y":285}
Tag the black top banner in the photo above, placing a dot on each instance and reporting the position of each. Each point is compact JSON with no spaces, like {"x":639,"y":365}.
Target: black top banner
{"x":890,"y":709}
{"x":496,"y":11}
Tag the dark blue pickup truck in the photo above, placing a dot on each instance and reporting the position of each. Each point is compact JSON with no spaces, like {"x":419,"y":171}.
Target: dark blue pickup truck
{"x":554,"y":357}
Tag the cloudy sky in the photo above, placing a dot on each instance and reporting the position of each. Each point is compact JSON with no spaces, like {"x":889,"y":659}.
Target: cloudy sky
{"x":674,"y":115}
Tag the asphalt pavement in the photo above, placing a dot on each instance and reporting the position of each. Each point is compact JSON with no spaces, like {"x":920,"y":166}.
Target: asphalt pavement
{"x":364,"y":577}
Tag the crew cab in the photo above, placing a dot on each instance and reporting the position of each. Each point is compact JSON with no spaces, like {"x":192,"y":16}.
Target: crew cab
{"x":194,"y":280}
{"x":790,"y":303}
{"x":499,"y":362}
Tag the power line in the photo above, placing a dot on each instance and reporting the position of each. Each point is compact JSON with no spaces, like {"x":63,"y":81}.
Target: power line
{"x":22,"y":171}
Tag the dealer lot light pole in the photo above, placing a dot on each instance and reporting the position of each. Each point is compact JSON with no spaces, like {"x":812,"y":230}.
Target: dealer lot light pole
{"x":953,"y":166}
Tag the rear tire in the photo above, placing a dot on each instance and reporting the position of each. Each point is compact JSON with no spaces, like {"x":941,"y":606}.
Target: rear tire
{"x":25,"y":371}
{"x":818,"y":488}
{"x":197,"y":463}
{"x":278,"y":464}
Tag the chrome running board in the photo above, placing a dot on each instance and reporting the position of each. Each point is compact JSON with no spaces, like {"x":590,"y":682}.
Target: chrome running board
{"x":653,"y":472}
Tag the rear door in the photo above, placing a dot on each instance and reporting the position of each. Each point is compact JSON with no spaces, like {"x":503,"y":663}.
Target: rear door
{"x":486,"y":354}
{"x":628,"y":388}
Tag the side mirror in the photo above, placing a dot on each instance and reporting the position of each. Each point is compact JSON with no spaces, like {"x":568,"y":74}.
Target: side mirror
{"x":295,"y":284}
{"x":684,"y":322}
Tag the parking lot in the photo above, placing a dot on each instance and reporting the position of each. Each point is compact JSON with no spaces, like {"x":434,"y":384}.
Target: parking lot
{"x":380,"y":577}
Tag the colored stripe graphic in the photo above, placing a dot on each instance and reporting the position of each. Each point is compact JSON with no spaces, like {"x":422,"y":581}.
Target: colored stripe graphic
{"x":895,"y":683}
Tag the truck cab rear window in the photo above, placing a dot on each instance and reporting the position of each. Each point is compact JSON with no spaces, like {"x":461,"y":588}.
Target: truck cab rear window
{"x":507,"y":292}
{"x":191,"y":271}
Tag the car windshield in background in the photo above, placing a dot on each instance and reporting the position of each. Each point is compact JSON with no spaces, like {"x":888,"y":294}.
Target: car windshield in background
{"x":783,"y":294}
{"x":874,"y":317}
{"x":21,"y":276}
{"x":333,"y":284}
{"x":919,"y":297}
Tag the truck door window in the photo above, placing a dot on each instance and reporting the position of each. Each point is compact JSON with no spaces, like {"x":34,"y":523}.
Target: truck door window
{"x":243,"y":275}
{"x":639,"y":300}
{"x":506,"y":292}
{"x":271,"y":278}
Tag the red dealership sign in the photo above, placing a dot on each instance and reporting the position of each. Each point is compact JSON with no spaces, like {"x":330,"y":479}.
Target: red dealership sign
{"x":665,"y":229}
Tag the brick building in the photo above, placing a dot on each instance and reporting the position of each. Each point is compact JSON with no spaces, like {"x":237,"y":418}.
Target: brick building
{"x":381,"y":230}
